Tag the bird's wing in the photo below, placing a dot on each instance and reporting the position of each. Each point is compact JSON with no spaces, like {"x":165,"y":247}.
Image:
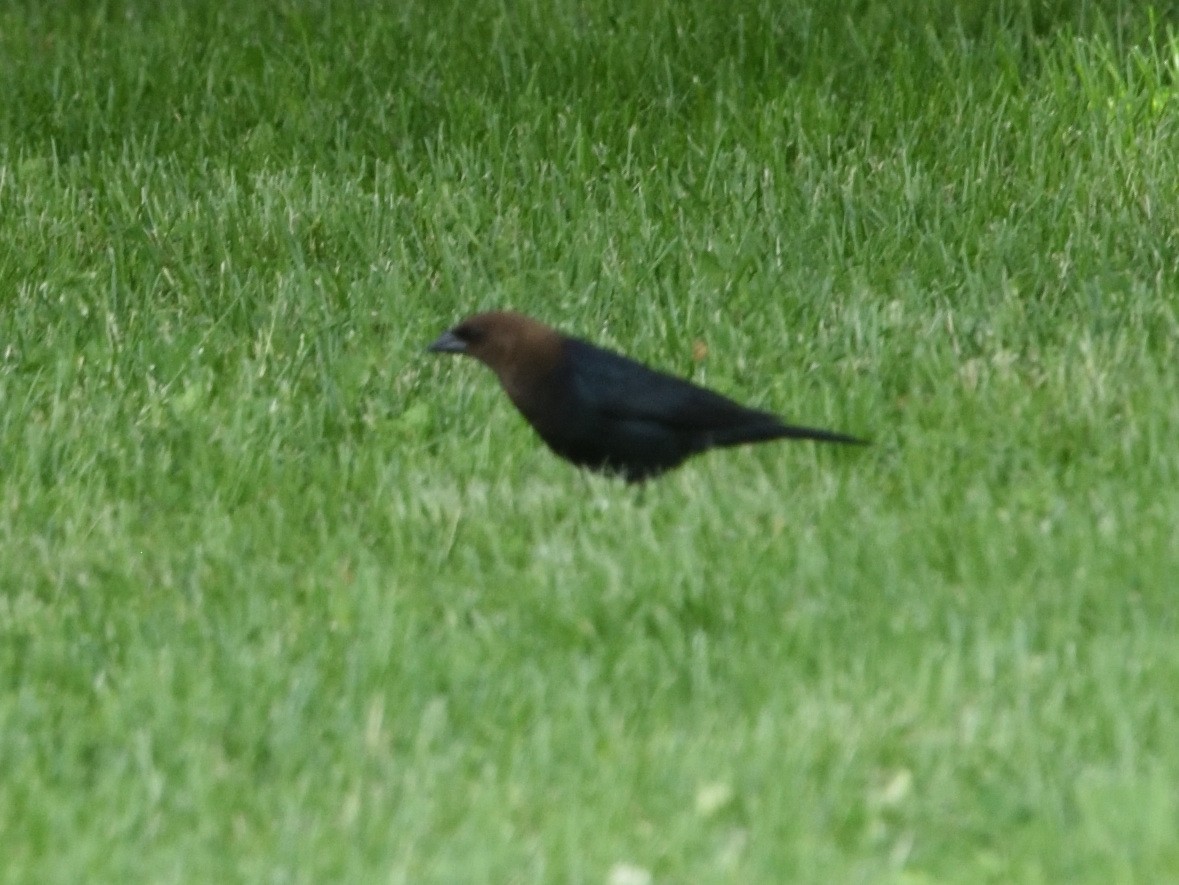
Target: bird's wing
{"x":622,"y":388}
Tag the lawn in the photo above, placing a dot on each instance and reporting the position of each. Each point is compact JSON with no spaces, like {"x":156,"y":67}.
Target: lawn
{"x":283,"y":598}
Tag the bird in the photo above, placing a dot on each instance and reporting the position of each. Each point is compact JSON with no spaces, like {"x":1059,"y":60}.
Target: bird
{"x":601,"y":410}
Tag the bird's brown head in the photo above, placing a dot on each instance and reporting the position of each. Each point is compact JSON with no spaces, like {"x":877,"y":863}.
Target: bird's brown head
{"x":506,"y":342}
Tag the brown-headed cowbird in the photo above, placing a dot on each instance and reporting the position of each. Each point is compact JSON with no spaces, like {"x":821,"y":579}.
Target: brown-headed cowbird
{"x":604,"y":411}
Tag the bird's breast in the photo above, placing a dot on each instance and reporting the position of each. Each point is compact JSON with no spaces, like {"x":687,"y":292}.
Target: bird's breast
{"x":538,"y":397}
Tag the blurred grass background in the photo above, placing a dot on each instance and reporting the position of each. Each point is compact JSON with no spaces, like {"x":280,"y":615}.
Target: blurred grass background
{"x":282,"y":598}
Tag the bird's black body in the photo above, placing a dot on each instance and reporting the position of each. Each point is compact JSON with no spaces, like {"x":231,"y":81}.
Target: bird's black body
{"x":623,"y":417}
{"x":601,"y":410}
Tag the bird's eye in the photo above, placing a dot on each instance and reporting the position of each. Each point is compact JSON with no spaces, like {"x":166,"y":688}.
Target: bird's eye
{"x":468,"y":333}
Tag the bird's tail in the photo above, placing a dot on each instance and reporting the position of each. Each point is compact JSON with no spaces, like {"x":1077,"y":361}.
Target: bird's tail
{"x":770,"y":430}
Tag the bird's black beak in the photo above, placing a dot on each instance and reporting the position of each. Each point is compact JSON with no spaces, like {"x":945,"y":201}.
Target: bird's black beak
{"x":448,"y":342}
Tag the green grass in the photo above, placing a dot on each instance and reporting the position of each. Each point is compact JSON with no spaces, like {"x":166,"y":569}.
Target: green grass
{"x":283,"y":598}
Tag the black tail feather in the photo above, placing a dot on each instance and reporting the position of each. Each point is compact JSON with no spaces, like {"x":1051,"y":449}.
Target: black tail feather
{"x":763,"y":432}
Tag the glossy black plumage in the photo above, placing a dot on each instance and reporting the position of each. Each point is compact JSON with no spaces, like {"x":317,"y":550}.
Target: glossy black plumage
{"x":601,"y":410}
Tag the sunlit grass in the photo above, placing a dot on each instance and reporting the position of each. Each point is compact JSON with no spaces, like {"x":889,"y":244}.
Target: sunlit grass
{"x":283,"y":597}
